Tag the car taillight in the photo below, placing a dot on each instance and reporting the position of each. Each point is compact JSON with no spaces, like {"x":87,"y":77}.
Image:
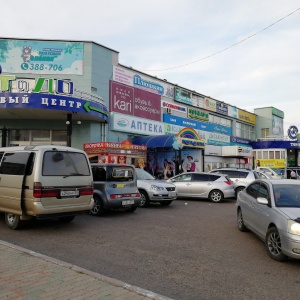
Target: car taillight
{"x":40,"y":191}
{"x":43,"y":192}
{"x":228,"y":182}
{"x":117,"y":196}
{"x":88,"y":190}
{"x":37,"y":190}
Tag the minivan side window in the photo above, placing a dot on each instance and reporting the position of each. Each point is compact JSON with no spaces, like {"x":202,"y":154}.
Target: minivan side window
{"x":15,"y":163}
{"x":65,"y":163}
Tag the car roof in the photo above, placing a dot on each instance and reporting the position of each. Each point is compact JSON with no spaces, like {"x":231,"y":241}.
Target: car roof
{"x":206,"y":173}
{"x":280,"y":181}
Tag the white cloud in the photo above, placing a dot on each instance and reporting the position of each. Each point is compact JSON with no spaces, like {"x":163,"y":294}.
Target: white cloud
{"x":155,"y":35}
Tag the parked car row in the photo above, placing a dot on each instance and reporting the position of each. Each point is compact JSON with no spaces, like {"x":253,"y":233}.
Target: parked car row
{"x":54,"y":181}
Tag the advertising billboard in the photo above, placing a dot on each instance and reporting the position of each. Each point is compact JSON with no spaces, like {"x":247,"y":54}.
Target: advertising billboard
{"x":135,"y":102}
{"x":41,"y":57}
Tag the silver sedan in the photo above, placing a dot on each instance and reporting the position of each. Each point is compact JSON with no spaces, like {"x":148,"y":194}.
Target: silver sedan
{"x":271,"y":210}
{"x":215,"y":187}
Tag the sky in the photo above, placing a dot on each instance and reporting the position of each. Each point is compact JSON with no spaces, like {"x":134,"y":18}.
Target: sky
{"x":242,"y":52}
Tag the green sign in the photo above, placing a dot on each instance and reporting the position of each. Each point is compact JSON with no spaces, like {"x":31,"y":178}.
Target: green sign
{"x":198,"y":115}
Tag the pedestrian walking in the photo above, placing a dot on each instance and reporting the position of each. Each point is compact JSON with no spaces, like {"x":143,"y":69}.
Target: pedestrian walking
{"x":293,"y":174}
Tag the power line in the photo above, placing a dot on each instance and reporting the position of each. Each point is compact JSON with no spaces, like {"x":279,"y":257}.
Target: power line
{"x":225,"y":49}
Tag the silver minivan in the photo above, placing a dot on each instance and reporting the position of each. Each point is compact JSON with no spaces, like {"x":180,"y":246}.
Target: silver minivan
{"x":44,"y":182}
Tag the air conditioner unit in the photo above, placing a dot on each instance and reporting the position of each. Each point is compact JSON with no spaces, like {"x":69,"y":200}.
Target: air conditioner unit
{"x":169,"y":111}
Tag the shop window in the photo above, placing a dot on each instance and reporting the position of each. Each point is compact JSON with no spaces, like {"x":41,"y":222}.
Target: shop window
{"x":271,"y":154}
{"x":259,"y":155}
{"x":265,"y":155}
{"x":40,"y":135}
{"x":277,"y":155}
{"x":264,"y":132}
{"x":19,"y":135}
{"x":59,"y":135}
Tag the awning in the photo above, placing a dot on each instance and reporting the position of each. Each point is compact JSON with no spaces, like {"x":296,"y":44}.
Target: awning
{"x":158,"y":141}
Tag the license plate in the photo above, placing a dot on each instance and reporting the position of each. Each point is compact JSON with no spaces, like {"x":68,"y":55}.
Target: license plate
{"x":127,"y":202}
{"x":120,"y":185}
{"x":69,"y":193}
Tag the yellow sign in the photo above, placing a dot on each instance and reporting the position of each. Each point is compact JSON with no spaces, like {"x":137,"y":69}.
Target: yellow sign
{"x":246,"y":117}
{"x":271,"y":163}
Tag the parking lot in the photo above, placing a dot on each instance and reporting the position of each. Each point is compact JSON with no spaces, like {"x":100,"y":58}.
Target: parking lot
{"x":188,"y":250}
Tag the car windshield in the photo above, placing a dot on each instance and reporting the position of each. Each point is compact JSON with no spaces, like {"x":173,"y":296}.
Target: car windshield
{"x":143,"y":175}
{"x":287,"y":195}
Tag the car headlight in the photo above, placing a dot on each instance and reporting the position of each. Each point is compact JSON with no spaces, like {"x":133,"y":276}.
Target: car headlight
{"x":293,"y":227}
{"x":157,"y":188}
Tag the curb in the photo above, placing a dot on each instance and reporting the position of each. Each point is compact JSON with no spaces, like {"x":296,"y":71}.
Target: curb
{"x":112,"y":281}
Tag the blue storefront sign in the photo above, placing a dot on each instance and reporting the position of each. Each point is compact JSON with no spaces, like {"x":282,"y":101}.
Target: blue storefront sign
{"x":56,"y":102}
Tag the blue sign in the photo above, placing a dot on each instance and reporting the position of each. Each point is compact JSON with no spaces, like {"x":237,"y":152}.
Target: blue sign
{"x":292,"y":132}
{"x":237,"y":140}
{"x":56,"y":102}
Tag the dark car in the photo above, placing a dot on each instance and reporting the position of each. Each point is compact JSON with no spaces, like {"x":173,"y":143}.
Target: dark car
{"x":115,"y":187}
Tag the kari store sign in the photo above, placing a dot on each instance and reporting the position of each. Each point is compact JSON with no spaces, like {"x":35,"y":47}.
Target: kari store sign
{"x":41,"y":57}
{"x":139,"y":81}
{"x":135,"y":102}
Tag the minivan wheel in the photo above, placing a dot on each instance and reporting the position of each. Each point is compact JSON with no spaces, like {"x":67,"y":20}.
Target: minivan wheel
{"x":240,"y":221}
{"x":273,"y":245}
{"x":215,"y":196}
{"x":12,"y":221}
{"x":144,"y":199}
{"x":98,"y":208}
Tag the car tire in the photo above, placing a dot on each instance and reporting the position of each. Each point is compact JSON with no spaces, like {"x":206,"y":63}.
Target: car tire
{"x":165,"y":203}
{"x":240,"y":221}
{"x":273,"y":245}
{"x":145,"y":202}
{"x":66,"y":219}
{"x":132,"y":209}
{"x":239,"y":189}
{"x":98,"y":208}
{"x":216,"y":196}
{"x":13,"y":221}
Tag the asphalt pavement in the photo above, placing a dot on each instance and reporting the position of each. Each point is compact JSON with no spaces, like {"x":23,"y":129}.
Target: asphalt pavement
{"x":28,"y":275}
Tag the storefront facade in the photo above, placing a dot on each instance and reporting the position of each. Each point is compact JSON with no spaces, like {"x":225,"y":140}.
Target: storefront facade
{"x":51,"y":93}
{"x":76,"y":93}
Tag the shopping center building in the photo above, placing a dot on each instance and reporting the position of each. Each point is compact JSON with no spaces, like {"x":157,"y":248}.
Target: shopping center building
{"x":76,"y":93}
